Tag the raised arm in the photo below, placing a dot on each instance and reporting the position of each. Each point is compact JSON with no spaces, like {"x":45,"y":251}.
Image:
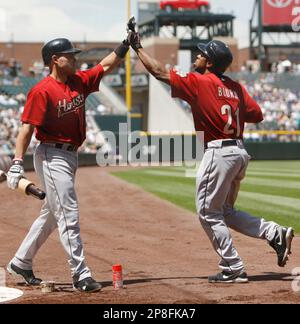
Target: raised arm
{"x":153,"y":66}
{"x":115,"y":58}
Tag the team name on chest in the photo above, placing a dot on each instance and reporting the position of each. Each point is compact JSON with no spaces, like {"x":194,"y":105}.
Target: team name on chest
{"x":227,"y":93}
{"x":65,"y":107}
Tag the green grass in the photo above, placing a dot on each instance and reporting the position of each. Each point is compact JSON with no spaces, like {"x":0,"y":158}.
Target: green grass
{"x":271,"y":189}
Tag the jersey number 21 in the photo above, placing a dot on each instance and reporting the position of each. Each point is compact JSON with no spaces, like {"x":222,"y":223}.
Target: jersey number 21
{"x":226,"y":110}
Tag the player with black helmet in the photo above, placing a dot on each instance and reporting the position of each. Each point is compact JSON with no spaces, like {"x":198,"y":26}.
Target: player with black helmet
{"x":220,"y":108}
{"x":55,"y":109}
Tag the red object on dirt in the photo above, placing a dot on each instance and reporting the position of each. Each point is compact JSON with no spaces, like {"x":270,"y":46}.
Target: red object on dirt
{"x":117,"y":276}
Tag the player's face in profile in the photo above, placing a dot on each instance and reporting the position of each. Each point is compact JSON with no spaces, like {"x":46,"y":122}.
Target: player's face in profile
{"x":200,"y":64}
{"x":67,"y":62}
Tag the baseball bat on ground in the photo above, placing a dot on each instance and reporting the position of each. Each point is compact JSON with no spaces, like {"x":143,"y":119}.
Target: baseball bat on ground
{"x":27,"y":187}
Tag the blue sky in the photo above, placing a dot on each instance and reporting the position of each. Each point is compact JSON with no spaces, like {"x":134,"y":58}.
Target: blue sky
{"x":93,"y":20}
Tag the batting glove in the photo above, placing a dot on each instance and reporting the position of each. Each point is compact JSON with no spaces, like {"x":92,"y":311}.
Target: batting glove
{"x":131,"y":25}
{"x":15,"y":174}
{"x":134,"y":39}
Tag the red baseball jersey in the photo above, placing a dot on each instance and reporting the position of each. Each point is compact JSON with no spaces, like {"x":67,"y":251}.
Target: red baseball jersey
{"x":58,"y":109}
{"x":220,"y":106}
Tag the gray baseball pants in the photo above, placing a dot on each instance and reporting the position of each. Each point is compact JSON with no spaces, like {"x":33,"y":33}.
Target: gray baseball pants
{"x":56,"y":169}
{"x":217,"y":187}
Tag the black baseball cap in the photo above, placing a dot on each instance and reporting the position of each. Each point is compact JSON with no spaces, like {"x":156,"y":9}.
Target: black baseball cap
{"x":58,"y":46}
{"x":218,"y":53}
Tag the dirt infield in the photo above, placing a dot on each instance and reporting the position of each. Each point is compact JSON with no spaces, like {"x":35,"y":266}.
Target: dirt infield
{"x":164,"y":252}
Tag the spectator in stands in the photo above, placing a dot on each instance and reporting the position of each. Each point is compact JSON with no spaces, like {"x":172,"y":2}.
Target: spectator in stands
{"x":284,"y":65}
{"x":13,"y":68}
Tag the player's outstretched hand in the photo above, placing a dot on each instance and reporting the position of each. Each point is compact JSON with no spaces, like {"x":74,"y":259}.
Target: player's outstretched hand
{"x":134,"y":40}
{"x":131,"y":25}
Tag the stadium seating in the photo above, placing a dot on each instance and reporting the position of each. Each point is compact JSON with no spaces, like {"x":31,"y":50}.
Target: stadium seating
{"x":278,"y":96}
{"x":13,"y":94}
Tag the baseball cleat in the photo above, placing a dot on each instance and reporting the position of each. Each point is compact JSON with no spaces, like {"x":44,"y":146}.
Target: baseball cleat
{"x":87,"y":285}
{"x":229,"y":277}
{"x":26,"y":275}
{"x":282,"y":244}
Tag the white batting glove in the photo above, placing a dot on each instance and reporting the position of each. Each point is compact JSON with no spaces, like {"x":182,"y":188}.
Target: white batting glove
{"x":15,"y":174}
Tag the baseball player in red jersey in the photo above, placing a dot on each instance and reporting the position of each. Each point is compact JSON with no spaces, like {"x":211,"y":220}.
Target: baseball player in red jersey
{"x":220,"y":108}
{"x":55,"y":110}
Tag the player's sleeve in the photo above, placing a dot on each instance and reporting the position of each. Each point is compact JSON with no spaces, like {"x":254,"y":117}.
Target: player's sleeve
{"x":35,"y":109}
{"x":184,"y":87}
{"x":253,"y":113}
{"x":91,"y":78}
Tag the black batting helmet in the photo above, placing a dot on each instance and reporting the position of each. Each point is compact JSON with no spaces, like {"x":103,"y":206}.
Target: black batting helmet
{"x":218,"y":53}
{"x":57,"y":46}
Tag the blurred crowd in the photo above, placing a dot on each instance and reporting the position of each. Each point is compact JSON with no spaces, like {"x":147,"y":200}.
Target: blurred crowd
{"x":12,"y":105}
{"x":280,"y":105}
{"x":10,"y":124}
{"x":281,"y":110}
{"x":282,"y":66}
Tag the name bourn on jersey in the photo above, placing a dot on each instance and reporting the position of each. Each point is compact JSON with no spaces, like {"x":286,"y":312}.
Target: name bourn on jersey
{"x":227,"y":93}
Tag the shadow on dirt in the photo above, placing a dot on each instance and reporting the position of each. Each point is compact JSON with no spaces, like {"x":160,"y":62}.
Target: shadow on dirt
{"x":68,"y":287}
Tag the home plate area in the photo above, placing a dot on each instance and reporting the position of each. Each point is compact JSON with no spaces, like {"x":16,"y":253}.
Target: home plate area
{"x":8,"y":294}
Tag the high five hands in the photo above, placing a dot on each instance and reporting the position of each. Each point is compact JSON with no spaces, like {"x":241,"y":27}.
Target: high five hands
{"x":134,"y":38}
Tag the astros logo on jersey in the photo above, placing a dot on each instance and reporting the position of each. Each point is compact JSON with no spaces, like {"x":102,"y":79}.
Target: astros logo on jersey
{"x":64,"y":107}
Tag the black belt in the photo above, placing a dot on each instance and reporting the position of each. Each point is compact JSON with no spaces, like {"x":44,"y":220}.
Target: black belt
{"x":67,"y":147}
{"x":64,"y":146}
{"x":225,"y":143}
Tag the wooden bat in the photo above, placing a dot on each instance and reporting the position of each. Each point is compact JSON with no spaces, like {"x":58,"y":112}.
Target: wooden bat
{"x":27,"y":187}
